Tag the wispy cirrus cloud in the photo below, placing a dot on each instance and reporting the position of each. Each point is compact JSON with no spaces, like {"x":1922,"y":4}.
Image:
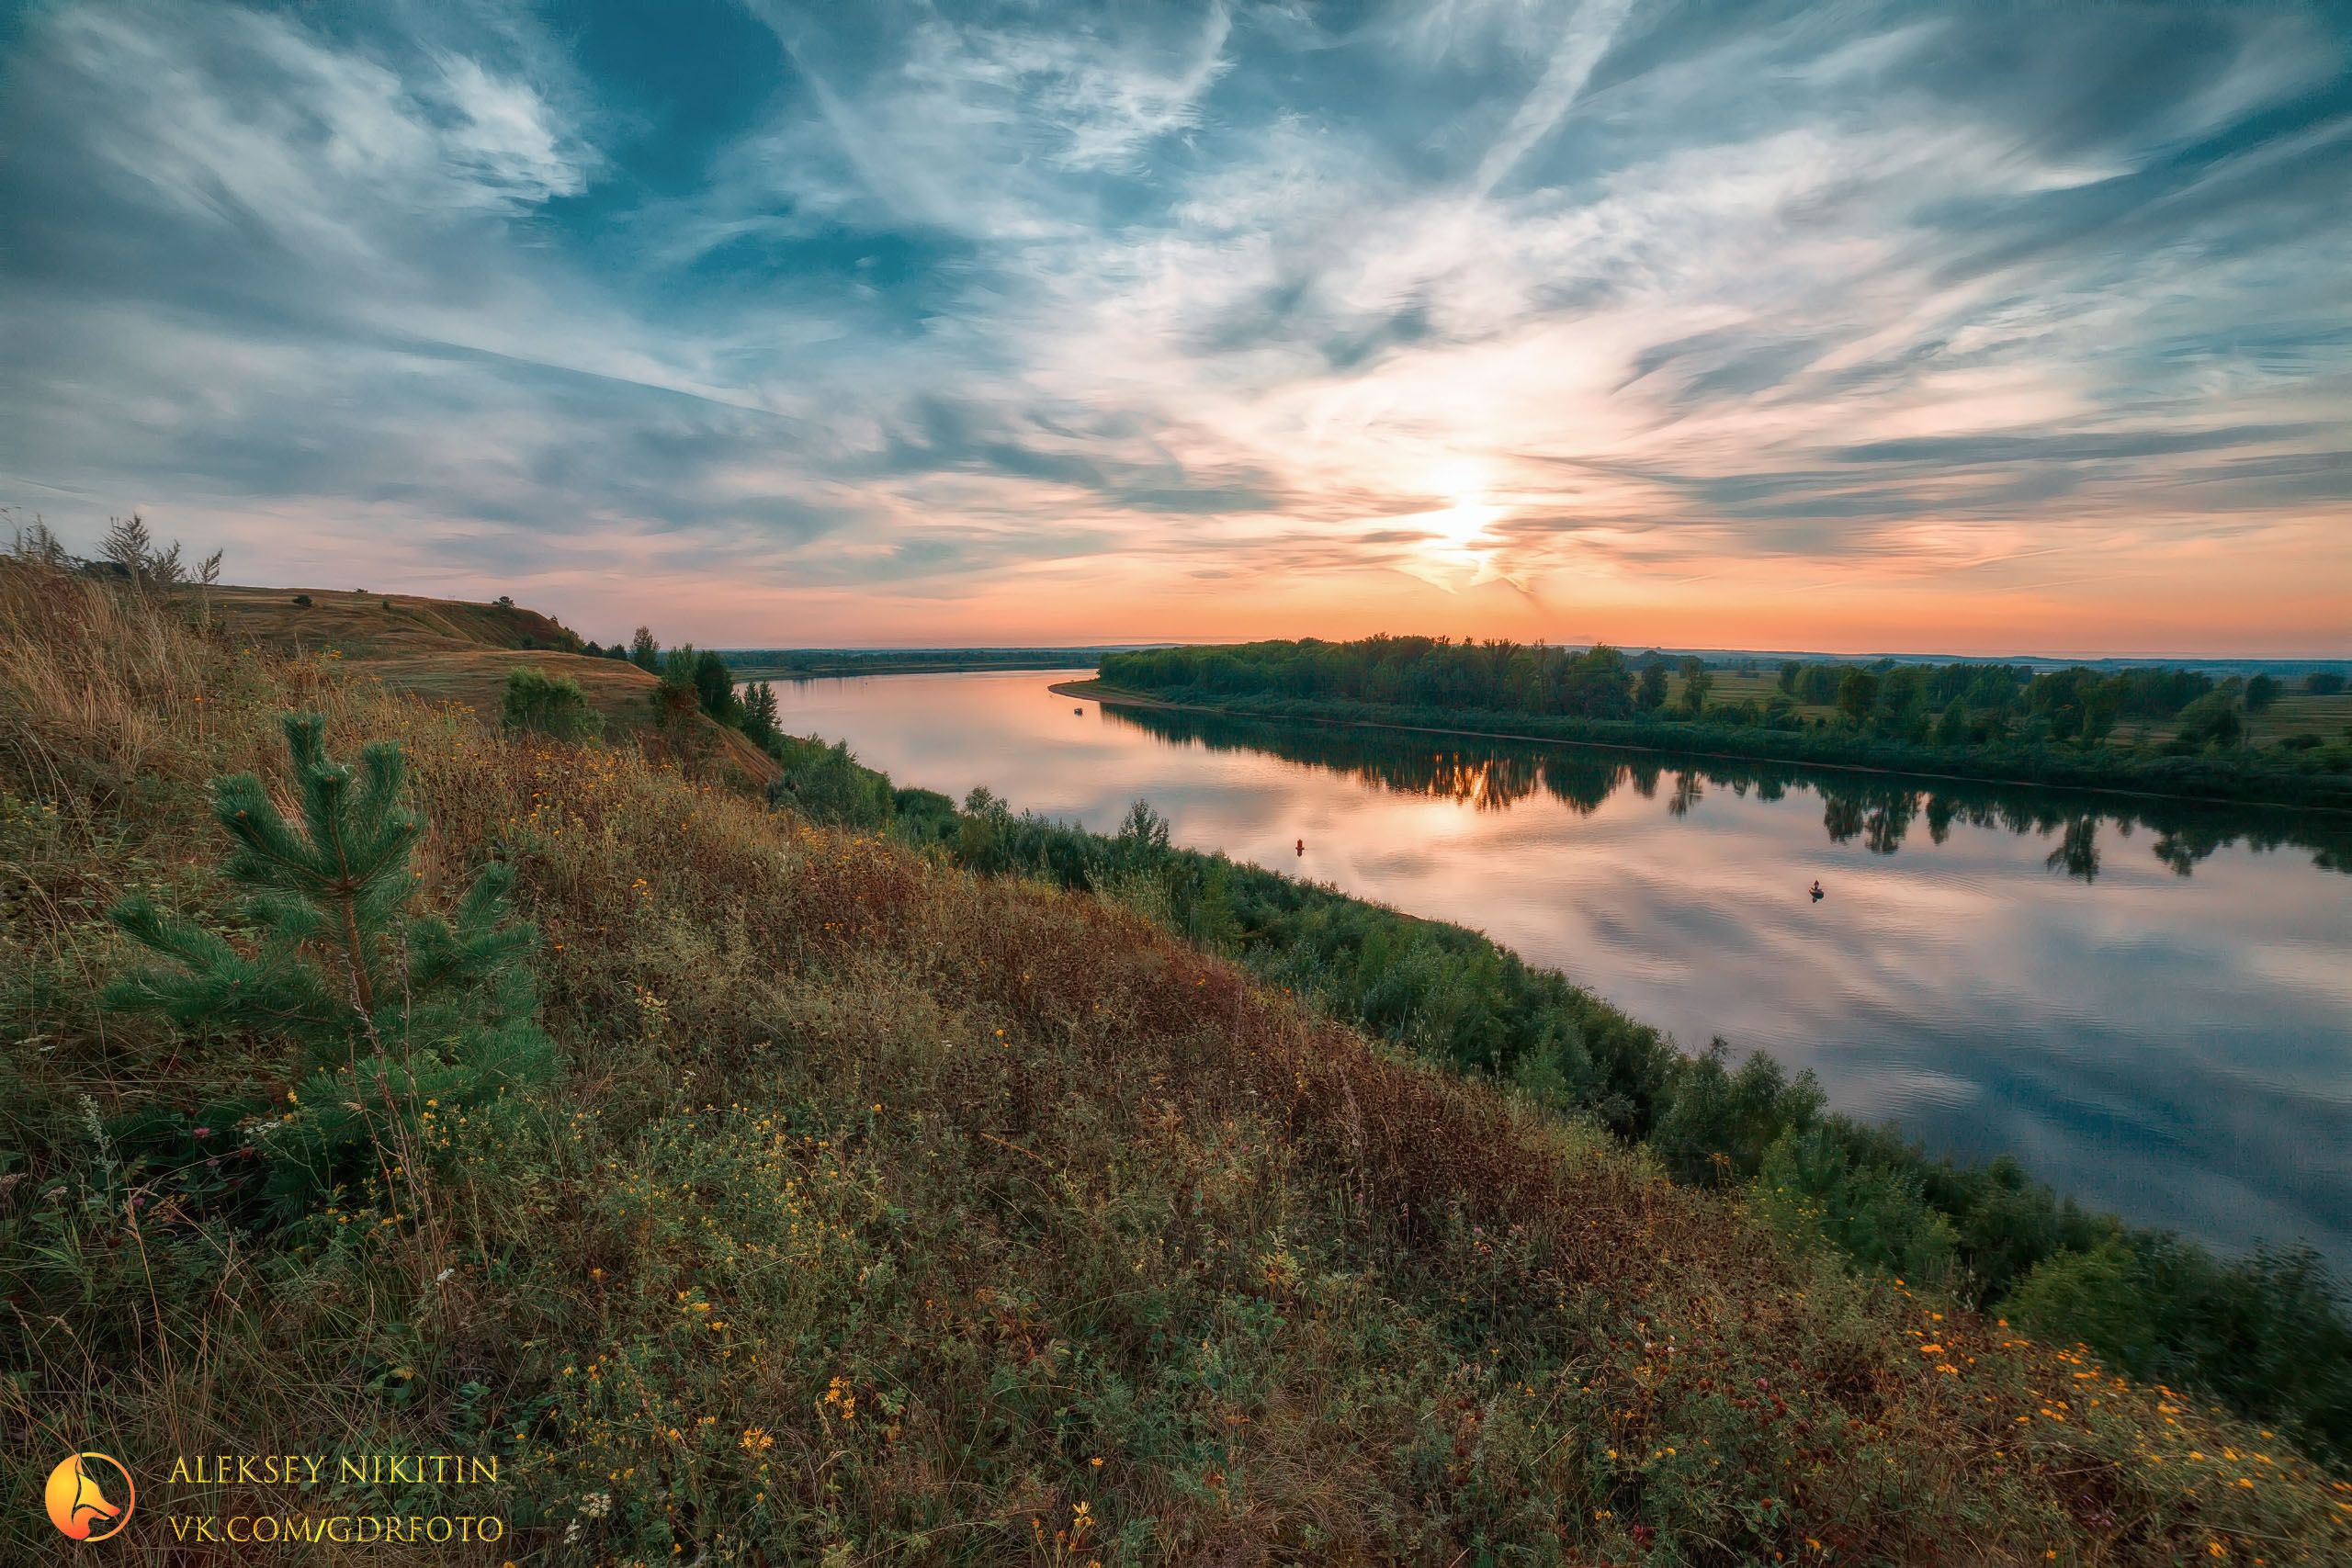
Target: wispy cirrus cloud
{"x":1663,"y":322}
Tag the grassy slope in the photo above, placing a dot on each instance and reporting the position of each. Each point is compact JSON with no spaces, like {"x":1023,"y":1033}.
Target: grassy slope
{"x":912,"y":1218}
{"x":450,"y":651}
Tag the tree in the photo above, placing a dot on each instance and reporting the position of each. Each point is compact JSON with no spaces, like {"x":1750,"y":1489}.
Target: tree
{"x":2261,"y":692}
{"x":675,"y":695}
{"x":1651,"y":692}
{"x":1597,"y":684}
{"x":1903,"y":702}
{"x":2322,"y":683}
{"x":1789,"y":673}
{"x":759,"y":714}
{"x":2212,"y":719}
{"x":549,"y":704}
{"x":644,"y":653}
{"x":388,"y":1012}
{"x":715,"y":687}
{"x":1819,"y":685}
{"x":1857,"y":695}
{"x":2101,"y":703}
{"x":504,"y":601}
{"x":1696,"y":683}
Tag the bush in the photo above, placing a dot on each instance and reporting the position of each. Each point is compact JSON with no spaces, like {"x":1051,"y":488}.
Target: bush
{"x":302,"y":600}
{"x":1878,"y":1216}
{"x":549,"y":704}
{"x":2266,"y":1334}
{"x":1721,"y":1122}
{"x":827,"y":784}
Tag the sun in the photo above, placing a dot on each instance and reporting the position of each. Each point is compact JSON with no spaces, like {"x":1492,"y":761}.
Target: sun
{"x":1460,"y":527}
{"x":1456,"y":550}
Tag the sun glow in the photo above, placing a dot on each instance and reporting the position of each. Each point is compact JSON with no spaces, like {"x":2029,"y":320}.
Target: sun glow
{"x":1457,"y":551}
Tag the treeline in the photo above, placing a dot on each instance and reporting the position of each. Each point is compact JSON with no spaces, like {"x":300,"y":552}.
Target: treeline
{"x":1882,"y":812}
{"x":2267,"y":1334}
{"x":688,"y":680}
{"x":806,"y":663}
{"x":2004,"y":721}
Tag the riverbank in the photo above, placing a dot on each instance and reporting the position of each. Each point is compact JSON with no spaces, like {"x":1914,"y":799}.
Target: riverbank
{"x":2197,"y":784}
{"x":1486,"y":1002}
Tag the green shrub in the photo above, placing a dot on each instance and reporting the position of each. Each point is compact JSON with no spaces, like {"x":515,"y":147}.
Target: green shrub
{"x":827,"y":784}
{"x":549,"y":704}
{"x":1722,"y":1122}
{"x":2266,"y":1333}
{"x":1877,"y":1214}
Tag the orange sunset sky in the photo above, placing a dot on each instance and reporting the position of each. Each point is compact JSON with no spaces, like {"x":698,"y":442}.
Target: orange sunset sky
{"x":1860,"y":329}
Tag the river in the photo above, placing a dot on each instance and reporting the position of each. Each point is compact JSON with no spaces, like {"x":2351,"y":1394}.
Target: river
{"x":2149,"y":1003}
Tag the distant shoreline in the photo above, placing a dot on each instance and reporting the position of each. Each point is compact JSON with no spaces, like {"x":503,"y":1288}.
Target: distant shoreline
{"x":838,"y":666}
{"x":1112,"y":696}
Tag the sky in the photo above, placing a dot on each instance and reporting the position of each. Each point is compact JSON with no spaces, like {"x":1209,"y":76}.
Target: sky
{"x":1973,"y":328}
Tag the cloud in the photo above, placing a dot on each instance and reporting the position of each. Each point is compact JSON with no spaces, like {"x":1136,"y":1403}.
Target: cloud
{"x":1024,"y":310}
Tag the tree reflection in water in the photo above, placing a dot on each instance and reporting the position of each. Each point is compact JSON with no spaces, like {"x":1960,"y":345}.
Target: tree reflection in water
{"x":1879,"y":809}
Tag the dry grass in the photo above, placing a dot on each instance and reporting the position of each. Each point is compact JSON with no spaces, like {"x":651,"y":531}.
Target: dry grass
{"x":890,"y":1215}
{"x":452,"y":651}
{"x":370,"y":624}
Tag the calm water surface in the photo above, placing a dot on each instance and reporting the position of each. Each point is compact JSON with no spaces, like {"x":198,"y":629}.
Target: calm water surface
{"x":2151,"y":1004}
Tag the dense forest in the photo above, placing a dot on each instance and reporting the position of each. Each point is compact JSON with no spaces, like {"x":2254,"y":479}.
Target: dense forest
{"x":2168,"y":730}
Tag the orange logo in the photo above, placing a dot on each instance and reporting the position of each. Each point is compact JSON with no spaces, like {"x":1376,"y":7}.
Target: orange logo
{"x":79,"y":1500}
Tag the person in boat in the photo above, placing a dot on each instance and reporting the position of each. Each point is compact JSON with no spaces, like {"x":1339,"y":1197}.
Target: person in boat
{"x":1816,"y":890}
{"x":1302,"y":846}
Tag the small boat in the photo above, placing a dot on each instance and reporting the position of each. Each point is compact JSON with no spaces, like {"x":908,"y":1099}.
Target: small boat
{"x":1080,"y":712}
{"x":1817,"y":893}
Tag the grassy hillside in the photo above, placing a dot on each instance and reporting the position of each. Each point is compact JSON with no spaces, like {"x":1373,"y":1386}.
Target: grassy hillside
{"x":450,"y":650}
{"x":374,"y":624}
{"x":881,"y":1214}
